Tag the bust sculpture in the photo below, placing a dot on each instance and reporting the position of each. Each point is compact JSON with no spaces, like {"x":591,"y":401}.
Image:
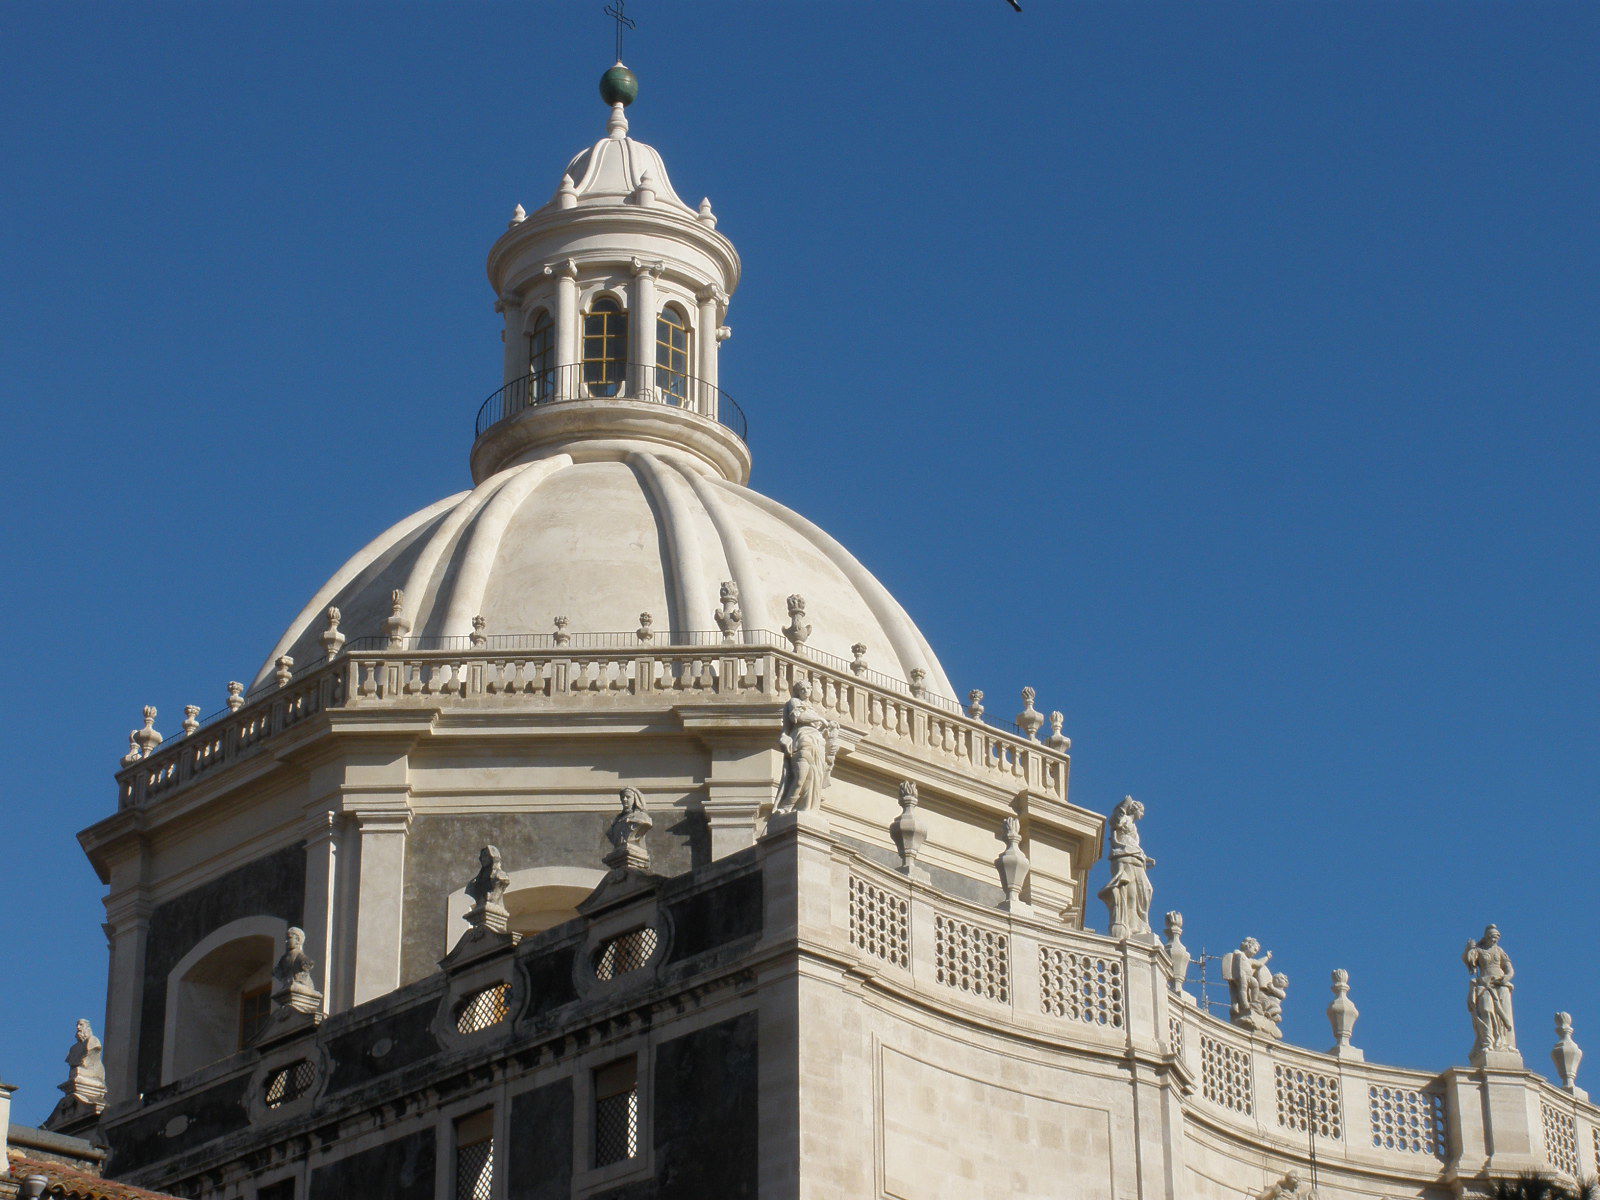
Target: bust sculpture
{"x":627,"y":831}
{"x":1489,"y":989}
{"x":488,"y":891}
{"x":292,"y":972}
{"x":83,"y":1095}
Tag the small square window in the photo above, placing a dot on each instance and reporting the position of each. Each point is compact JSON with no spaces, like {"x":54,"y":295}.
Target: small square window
{"x":616,"y":1112}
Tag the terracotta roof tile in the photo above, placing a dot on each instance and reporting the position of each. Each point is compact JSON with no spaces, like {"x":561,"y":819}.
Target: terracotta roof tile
{"x":67,"y":1183}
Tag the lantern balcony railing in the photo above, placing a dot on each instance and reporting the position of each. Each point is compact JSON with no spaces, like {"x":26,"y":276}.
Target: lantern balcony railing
{"x":639,"y":382}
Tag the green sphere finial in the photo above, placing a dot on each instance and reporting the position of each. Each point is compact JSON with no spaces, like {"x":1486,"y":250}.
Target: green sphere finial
{"x":619,"y":86}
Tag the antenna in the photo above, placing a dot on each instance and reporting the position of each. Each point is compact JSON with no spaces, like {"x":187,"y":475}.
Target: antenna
{"x":616,"y":11}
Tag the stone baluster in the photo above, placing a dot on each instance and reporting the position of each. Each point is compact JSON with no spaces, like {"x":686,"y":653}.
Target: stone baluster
{"x":1013,"y":866}
{"x":975,"y":704}
{"x":332,"y":639}
{"x":910,"y":831}
{"x":1030,"y":720}
{"x":1342,"y":1014}
{"x":1567,"y":1056}
{"x":235,"y":696}
{"x":283,"y":670}
{"x":191,"y":718}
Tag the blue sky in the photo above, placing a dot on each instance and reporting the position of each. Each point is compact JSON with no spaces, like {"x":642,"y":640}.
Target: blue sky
{"x":1223,"y":370}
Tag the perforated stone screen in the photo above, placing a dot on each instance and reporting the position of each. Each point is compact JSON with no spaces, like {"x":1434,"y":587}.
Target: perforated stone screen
{"x":1225,"y":1075}
{"x":879,"y":922}
{"x":1407,"y":1120}
{"x":1308,"y":1100}
{"x":616,"y":1127}
{"x":971,"y":958}
{"x":475,"y":1170}
{"x":1081,"y":987}
{"x":1560,"y":1138}
{"x":484,"y":1009}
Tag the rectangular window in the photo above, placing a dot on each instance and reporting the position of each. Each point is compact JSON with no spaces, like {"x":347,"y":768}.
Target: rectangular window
{"x":475,"y":1156}
{"x":282,"y":1190}
{"x":616,"y":1112}
{"x":255,"y":1006}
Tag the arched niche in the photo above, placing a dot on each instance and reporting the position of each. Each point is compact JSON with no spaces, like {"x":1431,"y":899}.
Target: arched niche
{"x":207,"y":988}
{"x":538,"y":898}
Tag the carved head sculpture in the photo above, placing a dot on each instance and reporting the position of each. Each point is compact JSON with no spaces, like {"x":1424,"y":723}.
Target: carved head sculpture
{"x":1130,"y":807}
{"x":1280,"y":981}
{"x":1491,"y":936}
{"x":295,"y":940}
{"x":1250,"y":946}
{"x":85,"y":1031}
{"x":632,"y":800}
{"x":489,"y":858}
{"x":1174,"y":924}
{"x":908,"y":794}
{"x":801,"y":690}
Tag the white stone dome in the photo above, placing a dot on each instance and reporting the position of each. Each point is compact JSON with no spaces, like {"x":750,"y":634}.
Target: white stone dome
{"x":602,"y":541}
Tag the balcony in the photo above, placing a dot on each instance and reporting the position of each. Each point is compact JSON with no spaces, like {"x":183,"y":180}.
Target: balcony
{"x":611,"y":381}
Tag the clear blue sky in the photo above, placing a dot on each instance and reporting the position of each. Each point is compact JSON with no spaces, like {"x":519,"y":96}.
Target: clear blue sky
{"x":1224,"y":370}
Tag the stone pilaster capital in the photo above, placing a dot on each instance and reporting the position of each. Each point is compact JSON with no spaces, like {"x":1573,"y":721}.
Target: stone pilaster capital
{"x":565,"y":269}
{"x":641,"y":268}
{"x":507,"y":301}
{"x":319,"y":825}
{"x":383,"y":820}
{"x":127,"y":910}
{"x":712,"y":294}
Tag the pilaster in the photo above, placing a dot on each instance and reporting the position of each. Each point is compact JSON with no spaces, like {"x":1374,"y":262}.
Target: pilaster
{"x":322,"y":836}
{"x":642,"y":324}
{"x":127,"y":931}
{"x":741,"y":769}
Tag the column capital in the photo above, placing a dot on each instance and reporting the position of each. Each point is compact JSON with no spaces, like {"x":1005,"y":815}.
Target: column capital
{"x":128,"y":907}
{"x":320,"y":824}
{"x":711,"y":293}
{"x":642,"y":268}
{"x":507,"y":300}
{"x":566,"y":268}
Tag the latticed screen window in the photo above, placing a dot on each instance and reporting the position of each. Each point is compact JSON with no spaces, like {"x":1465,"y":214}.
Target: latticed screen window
{"x":541,"y":357}
{"x":626,"y":952}
{"x":605,"y":347}
{"x":255,"y":1006}
{"x":289,"y":1083}
{"x":672,"y":355}
{"x":282,"y":1190}
{"x":484,"y":1009}
{"x":616,"y":1112}
{"x":475,"y":1156}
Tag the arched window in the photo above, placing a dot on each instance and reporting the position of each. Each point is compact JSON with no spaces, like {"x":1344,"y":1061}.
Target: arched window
{"x":541,"y":358}
{"x":218,"y":994}
{"x":672,"y":355}
{"x":605,"y":347}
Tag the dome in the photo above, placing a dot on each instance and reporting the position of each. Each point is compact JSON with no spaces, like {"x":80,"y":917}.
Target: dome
{"x":615,"y":168}
{"x":601,"y":542}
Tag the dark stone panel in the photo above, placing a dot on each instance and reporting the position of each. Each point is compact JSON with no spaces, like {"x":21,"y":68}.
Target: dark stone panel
{"x":411,"y":1036}
{"x":397,"y":1170}
{"x":716,"y":916}
{"x":210,"y":1114}
{"x":442,"y":854}
{"x":540,"y":1162}
{"x":643,"y":1189}
{"x":706,"y":1118}
{"x":272,"y":886}
{"x":987,"y":894}
{"x":549,"y":979}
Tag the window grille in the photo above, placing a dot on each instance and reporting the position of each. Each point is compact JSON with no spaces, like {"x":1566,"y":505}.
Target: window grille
{"x":1225,"y":1075}
{"x":1308,"y":1100}
{"x":616,"y":1112}
{"x":541,"y":357}
{"x":484,"y":1009}
{"x":626,"y":952}
{"x":879,"y":922}
{"x":475,"y":1170}
{"x":971,"y":958}
{"x":1407,"y":1120}
{"x":289,"y":1083}
{"x":282,"y":1190}
{"x":1560,"y":1138}
{"x":1081,"y":987}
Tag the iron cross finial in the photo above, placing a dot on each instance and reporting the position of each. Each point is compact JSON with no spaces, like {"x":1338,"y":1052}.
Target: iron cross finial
{"x":615,"y":10}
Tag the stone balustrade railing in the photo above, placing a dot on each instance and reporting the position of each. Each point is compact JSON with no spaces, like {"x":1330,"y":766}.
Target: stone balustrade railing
{"x":594,"y":670}
{"x":1092,"y":994}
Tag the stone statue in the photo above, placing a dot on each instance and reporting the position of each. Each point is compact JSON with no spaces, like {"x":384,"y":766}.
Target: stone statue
{"x":488,"y":892}
{"x":293,"y":973}
{"x":728,"y":617}
{"x":1489,"y":993}
{"x":627,"y":832}
{"x":1256,"y":993}
{"x":797,"y":630}
{"x":86,"y":1073}
{"x":84,"y":1092}
{"x":1290,"y":1187}
{"x":1128,"y":893}
{"x":1178,"y":956}
{"x":810,"y":740}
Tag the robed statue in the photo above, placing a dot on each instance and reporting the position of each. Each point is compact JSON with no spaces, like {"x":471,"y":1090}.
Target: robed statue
{"x":1128,"y":894}
{"x":809,"y":741}
{"x":1489,"y":993}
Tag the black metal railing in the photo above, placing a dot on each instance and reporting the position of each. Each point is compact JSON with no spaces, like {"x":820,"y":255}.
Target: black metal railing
{"x":611,"y":381}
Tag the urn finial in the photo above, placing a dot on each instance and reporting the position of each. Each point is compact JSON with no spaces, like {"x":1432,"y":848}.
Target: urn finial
{"x":1567,"y":1055}
{"x":1030,"y":720}
{"x":1342,"y":1014}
